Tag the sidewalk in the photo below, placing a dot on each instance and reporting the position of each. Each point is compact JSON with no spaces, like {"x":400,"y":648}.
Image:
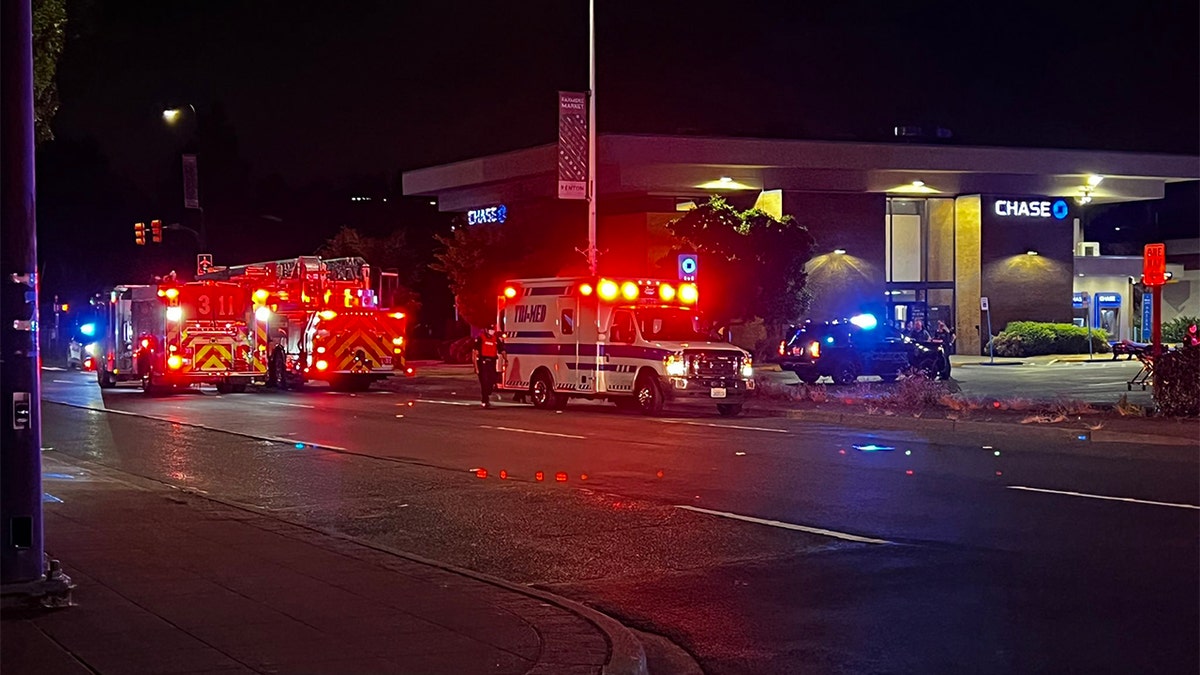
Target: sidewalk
{"x":172,"y":582}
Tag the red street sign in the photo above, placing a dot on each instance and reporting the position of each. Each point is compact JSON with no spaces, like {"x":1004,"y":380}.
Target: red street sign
{"x":1154,"y":265}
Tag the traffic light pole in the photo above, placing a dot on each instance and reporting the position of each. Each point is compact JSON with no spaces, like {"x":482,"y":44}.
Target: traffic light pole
{"x":25,"y":575}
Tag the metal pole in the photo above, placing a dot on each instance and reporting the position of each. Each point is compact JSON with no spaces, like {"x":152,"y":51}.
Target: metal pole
{"x":991,"y":342}
{"x":592,"y":137}
{"x":1087,"y":316}
{"x":21,"y":548}
{"x":1156,"y":321}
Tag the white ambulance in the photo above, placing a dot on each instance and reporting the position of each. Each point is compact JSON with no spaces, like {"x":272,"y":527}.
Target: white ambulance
{"x":635,"y":342}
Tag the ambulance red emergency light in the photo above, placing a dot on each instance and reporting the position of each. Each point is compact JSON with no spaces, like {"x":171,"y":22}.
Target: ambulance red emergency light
{"x":635,"y":342}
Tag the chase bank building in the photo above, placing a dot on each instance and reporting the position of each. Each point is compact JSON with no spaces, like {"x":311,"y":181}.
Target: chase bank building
{"x":925,"y":231}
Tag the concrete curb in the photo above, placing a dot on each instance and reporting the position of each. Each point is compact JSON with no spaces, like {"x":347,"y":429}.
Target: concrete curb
{"x":910,"y":423}
{"x":626,"y":655}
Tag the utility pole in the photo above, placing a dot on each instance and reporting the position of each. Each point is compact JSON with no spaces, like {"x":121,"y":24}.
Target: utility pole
{"x":591,"y":125}
{"x":24,"y":572}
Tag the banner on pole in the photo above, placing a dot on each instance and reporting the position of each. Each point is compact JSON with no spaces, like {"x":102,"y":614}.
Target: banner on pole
{"x":191,"y":183}
{"x":572,"y":145}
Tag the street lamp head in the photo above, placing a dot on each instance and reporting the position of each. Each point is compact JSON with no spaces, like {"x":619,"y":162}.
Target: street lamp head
{"x":170,"y":115}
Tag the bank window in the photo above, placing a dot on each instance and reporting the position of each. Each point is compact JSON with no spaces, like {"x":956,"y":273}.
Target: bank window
{"x":919,"y":236}
{"x":567,"y":321}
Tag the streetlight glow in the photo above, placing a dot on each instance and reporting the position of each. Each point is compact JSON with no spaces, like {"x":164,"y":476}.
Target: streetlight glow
{"x":170,"y":115}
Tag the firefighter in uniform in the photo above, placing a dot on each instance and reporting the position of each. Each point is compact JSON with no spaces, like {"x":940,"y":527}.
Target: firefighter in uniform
{"x":487,"y":349}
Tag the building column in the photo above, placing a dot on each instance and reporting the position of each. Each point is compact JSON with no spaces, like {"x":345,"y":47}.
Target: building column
{"x":971,"y":328}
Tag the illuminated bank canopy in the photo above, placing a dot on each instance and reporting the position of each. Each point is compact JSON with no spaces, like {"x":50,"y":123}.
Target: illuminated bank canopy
{"x":694,"y":167}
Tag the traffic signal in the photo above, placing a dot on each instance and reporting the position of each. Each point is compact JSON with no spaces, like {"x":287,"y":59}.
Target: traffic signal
{"x":139,"y":234}
{"x":156,"y":231}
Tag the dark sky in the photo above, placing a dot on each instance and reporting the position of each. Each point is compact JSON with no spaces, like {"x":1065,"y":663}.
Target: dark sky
{"x":319,"y":90}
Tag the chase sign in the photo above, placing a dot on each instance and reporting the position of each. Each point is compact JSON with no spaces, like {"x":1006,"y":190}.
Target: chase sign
{"x":491,"y":214}
{"x":1031,"y":208}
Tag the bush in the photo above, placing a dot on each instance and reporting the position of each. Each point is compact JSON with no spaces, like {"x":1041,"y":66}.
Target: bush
{"x":1177,"y":382}
{"x":1174,"y":330}
{"x":1032,"y":338}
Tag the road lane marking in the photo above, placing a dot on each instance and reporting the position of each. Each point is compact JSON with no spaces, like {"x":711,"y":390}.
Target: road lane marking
{"x":725,"y":426}
{"x":286,"y":441}
{"x":64,"y":381}
{"x":531,"y":431}
{"x":294,"y":405}
{"x":1105,"y":497}
{"x":54,"y":368}
{"x":787,"y":526}
{"x":430,"y":400}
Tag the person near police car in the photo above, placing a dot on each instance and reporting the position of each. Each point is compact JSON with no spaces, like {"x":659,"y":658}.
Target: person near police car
{"x":486,"y":351}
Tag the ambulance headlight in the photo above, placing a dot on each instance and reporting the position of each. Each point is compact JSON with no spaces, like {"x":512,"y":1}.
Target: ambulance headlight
{"x":676,"y":365}
{"x":174,"y":313}
{"x":747,"y":369}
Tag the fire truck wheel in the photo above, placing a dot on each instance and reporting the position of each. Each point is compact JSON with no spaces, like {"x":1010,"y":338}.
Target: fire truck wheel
{"x":105,"y":379}
{"x":542,"y":394}
{"x":224,"y":388}
{"x":649,"y":395}
{"x":238,"y":388}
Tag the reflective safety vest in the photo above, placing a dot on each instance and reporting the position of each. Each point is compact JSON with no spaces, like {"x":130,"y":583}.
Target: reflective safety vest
{"x":487,"y":346}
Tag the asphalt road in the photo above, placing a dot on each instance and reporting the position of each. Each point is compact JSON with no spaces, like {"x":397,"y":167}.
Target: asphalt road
{"x":759,"y":545}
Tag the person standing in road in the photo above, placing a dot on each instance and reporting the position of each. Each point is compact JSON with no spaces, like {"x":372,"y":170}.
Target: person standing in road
{"x":487,"y":349}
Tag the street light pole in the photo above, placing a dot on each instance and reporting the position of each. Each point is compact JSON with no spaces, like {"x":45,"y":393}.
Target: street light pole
{"x":591,"y":137}
{"x":170,"y":115}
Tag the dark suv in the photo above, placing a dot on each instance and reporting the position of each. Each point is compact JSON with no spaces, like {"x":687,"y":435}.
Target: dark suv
{"x":844,"y":350}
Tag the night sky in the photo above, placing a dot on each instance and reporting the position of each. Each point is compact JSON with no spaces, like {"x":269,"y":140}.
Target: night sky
{"x":315,"y":89}
{"x":317,"y":96}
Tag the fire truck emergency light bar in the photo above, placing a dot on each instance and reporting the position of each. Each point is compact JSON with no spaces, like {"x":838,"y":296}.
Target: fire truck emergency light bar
{"x":609,"y":289}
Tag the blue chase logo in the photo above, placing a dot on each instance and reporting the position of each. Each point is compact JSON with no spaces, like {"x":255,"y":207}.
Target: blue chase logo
{"x":1060,"y":209}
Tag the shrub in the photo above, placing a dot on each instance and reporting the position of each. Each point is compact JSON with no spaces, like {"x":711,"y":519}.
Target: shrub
{"x":1177,"y":382}
{"x":1175,"y":329}
{"x":1031,"y":338}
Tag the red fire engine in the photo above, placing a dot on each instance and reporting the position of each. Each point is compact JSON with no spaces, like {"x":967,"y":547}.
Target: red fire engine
{"x":319,"y":319}
{"x":176,"y":335}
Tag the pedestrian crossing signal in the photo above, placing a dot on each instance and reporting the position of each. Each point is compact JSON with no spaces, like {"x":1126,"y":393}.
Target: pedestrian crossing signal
{"x":156,"y":231}
{"x":139,"y":234}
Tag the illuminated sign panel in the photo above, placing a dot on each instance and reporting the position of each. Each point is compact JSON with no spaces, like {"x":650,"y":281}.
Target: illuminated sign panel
{"x":1031,"y":208}
{"x":491,"y":214}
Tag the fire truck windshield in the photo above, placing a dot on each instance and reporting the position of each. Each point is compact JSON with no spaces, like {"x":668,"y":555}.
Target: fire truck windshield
{"x":670,"y":325}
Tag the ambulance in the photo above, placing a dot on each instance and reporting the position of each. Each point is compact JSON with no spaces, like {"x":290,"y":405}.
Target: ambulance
{"x":636,"y":342}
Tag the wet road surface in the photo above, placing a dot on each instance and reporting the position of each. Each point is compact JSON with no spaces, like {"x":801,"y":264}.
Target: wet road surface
{"x":758,"y":544}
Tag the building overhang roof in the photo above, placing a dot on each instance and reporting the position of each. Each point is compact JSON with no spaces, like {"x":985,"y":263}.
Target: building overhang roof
{"x":686,"y":166}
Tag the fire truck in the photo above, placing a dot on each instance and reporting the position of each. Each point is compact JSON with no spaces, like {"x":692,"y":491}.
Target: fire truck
{"x":319,"y":320}
{"x":635,"y":342}
{"x":172,"y":335}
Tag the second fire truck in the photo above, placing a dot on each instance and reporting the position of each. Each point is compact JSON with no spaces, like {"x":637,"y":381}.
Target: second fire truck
{"x":318,"y":319}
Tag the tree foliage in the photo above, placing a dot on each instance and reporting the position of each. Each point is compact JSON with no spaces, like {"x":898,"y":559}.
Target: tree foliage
{"x":49,"y":37}
{"x":476,"y":260}
{"x":758,"y":260}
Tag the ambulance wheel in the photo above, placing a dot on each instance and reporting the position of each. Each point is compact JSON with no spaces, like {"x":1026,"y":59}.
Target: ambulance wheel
{"x":541,"y":391}
{"x":649,"y":395}
{"x":729,"y":409}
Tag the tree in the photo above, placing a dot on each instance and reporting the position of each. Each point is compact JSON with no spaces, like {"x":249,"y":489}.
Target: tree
{"x":476,"y":260}
{"x":49,"y":37}
{"x":758,"y":259}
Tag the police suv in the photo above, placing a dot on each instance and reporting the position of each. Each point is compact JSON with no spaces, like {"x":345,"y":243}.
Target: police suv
{"x":636,"y":342}
{"x":844,"y":350}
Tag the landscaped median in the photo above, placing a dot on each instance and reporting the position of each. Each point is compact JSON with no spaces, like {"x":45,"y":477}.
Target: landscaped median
{"x":919,"y":402}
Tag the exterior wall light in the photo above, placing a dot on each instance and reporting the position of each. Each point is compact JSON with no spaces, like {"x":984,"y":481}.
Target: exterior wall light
{"x":918,"y":183}
{"x":1093,"y":180}
{"x":1031,"y":252}
{"x":839,"y":251}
